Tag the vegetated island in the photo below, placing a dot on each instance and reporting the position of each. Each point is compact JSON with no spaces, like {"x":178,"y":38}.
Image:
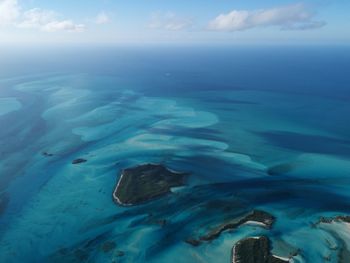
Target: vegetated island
{"x":255,"y":250}
{"x":256,"y":217}
{"x":146,"y":182}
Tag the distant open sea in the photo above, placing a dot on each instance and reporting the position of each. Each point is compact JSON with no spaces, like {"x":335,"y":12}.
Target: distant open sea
{"x":263,"y":128}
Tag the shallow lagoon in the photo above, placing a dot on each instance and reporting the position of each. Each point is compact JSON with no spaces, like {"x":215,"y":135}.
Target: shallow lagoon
{"x":224,"y":126}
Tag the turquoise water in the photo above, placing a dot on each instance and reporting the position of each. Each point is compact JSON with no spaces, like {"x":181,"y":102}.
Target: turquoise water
{"x":227,"y":116}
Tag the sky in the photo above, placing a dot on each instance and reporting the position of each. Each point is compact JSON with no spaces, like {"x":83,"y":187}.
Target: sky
{"x":176,"y":21}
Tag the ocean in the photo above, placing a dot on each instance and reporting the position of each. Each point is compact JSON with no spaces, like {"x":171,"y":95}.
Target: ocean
{"x":257,"y":128}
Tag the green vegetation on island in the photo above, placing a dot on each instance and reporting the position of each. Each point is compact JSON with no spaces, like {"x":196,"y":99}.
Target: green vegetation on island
{"x":146,"y":182}
{"x":255,"y":250}
{"x":260,"y":218}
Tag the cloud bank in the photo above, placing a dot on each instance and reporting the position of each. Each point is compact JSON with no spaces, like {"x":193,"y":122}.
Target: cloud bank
{"x":9,"y":12}
{"x":291,"y":17}
{"x":45,"y":20}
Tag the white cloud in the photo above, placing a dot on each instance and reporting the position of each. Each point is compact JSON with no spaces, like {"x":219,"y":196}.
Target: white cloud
{"x":9,"y":12}
{"x":169,"y":21}
{"x":48,"y":21}
{"x":36,"y":18}
{"x":45,"y":20}
{"x":291,"y":17}
{"x":102,"y":18}
{"x":64,"y":25}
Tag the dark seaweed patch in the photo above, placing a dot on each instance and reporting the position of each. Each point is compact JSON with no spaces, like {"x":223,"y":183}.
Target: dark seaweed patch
{"x":4,"y":199}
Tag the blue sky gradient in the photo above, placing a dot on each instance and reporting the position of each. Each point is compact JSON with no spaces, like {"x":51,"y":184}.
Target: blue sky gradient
{"x":192,"y":21}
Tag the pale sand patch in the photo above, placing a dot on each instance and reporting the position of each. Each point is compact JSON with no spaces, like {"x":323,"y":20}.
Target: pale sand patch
{"x":8,"y":105}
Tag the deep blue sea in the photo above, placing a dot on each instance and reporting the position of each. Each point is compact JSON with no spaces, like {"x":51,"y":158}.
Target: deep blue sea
{"x":263,"y":128}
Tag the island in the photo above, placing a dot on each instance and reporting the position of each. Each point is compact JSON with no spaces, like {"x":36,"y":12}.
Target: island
{"x":255,"y":250}
{"x":146,"y":182}
{"x":46,"y":154}
{"x":338,"y":234}
{"x":339,"y":218}
{"x":79,"y":160}
{"x":255,"y":217}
